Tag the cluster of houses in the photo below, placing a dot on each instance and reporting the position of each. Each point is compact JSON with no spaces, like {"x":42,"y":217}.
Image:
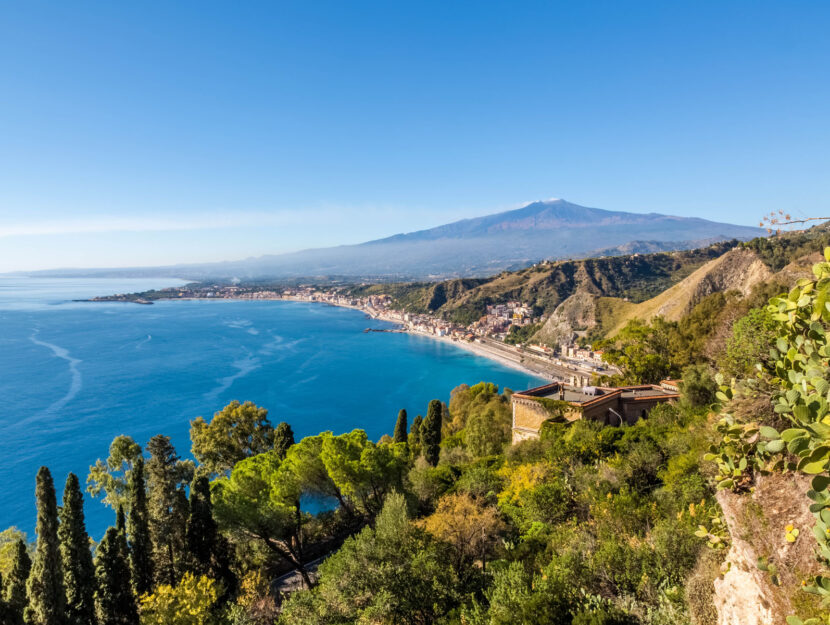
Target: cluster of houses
{"x":500,"y":317}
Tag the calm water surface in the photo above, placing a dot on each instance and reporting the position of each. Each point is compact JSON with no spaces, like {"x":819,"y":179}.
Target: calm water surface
{"x":74,"y":375}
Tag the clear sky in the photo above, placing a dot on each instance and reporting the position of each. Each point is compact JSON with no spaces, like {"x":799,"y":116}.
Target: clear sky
{"x":139,"y":133}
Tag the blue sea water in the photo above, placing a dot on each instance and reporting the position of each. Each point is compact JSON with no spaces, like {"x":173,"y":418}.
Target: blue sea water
{"x":73,"y":375}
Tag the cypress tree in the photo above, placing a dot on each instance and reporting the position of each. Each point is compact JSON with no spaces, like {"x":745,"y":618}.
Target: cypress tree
{"x":415,"y":429}
{"x":121,"y":520}
{"x":78,"y":569}
{"x":283,"y":439}
{"x":431,"y":432}
{"x":138,"y":532}
{"x":44,"y":589}
{"x":400,"y":428}
{"x":208,"y":551}
{"x":121,"y":527}
{"x":201,"y":528}
{"x":114,"y":600}
{"x":168,"y":508}
{"x":15,"y":591}
{"x":5,"y":615}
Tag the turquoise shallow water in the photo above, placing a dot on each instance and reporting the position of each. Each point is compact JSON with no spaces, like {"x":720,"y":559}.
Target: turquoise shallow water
{"x":74,"y":375}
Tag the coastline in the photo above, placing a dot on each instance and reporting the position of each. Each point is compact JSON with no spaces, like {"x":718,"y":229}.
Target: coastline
{"x":498,"y":355}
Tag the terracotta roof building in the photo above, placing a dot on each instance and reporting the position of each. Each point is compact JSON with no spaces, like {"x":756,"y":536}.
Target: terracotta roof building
{"x":608,"y":405}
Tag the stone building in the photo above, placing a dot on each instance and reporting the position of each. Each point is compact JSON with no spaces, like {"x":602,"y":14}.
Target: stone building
{"x":562,"y":402}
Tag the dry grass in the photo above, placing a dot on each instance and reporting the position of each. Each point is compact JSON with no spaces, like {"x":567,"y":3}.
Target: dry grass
{"x":737,"y":269}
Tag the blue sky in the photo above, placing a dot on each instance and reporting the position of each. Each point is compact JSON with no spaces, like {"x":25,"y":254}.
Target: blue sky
{"x":157,"y":132}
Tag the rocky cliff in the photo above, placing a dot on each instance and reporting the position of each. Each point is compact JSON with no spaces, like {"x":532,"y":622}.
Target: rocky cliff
{"x":745,"y":594}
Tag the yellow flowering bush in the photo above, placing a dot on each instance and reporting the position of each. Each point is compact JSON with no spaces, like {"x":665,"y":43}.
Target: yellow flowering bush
{"x":189,"y":603}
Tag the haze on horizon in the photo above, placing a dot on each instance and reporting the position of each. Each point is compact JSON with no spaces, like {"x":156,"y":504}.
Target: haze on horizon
{"x":165,"y":133}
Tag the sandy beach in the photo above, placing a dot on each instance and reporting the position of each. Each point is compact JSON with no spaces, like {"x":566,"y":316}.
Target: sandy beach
{"x":504,"y":355}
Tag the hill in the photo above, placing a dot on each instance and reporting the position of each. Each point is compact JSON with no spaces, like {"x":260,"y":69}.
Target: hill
{"x":547,"y":285}
{"x":597,"y":296}
{"x":554,"y":229}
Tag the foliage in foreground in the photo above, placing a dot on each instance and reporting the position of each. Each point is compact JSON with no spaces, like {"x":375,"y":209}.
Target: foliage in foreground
{"x":795,"y":435}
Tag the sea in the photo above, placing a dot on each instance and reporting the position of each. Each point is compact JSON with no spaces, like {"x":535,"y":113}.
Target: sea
{"x":73,"y":375}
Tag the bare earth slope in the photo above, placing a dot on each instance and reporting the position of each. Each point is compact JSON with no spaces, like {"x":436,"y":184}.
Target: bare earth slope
{"x":737,"y":270}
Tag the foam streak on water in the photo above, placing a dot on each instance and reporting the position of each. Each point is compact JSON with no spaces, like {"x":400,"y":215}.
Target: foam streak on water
{"x":75,"y":383}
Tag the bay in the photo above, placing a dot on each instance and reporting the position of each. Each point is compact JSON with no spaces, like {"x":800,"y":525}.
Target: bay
{"x":73,"y":375}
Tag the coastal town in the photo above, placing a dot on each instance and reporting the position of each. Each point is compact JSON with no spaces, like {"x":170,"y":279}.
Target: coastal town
{"x":566,"y":362}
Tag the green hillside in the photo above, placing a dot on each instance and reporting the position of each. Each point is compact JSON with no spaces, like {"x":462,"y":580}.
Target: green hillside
{"x":544,"y":286}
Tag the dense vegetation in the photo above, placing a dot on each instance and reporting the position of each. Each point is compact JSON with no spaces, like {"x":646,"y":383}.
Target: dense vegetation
{"x":448,"y":525}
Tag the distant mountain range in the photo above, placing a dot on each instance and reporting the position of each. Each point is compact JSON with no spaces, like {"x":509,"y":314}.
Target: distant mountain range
{"x":553,"y":229}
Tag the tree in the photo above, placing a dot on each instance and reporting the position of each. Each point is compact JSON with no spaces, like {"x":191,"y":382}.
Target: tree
{"x":121,"y":520}
{"x":362,"y":470}
{"x":78,"y":569}
{"x":415,"y":429}
{"x":9,"y":538}
{"x":121,"y":526}
{"x":167,"y":479}
{"x":114,"y":600}
{"x":236,"y":432}
{"x":304,"y":461}
{"x":15,"y":589}
{"x":207,"y":549}
{"x":44,"y":589}
{"x":260,"y":500}
{"x":191,"y":602}
{"x":698,"y":387}
{"x":5,"y":613}
{"x":414,"y":439}
{"x":138,"y":533}
{"x":111,"y":477}
{"x":469,"y":401}
{"x":283,"y":439}
{"x":392,"y":574}
{"x":468,"y":525}
{"x":641,"y":350}
{"x":431,"y":433}
{"x":400,"y":428}
{"x":752,"y":336}
{"x":487,"y":432}
{"x":516,"y":597}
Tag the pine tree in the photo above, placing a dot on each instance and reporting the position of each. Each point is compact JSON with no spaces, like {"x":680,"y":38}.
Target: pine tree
{"x":168,"y":508}
{"x":78,"y":569}
{"x":431,"y":432}
{"x":283,"y":439}
{"x":15,"y":591}
{"x":138,"y":533}
{"x":44,"y":589}
{"x":400,"y":428}
{"x":114,"y":600}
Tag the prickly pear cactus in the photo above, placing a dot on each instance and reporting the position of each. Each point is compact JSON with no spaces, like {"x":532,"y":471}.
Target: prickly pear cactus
{"x":801,"y":376}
